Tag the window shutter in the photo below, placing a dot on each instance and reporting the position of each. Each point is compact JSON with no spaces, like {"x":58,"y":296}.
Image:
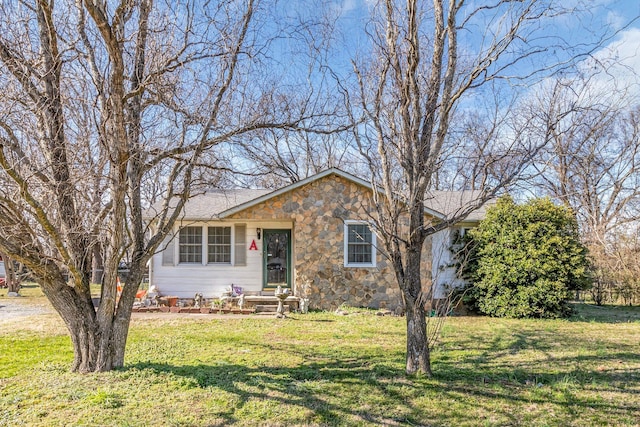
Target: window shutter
{"x":168,"y":249}
{"x":240,"y":245}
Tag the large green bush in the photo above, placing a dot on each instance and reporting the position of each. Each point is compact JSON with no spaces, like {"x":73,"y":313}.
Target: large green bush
{"x":525,"y":260}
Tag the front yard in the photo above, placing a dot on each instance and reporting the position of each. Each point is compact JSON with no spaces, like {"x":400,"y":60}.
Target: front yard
{"x":325,"y":369}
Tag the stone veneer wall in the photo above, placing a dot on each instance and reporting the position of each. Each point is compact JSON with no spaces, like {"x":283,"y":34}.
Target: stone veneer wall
{"x":318,"y":211}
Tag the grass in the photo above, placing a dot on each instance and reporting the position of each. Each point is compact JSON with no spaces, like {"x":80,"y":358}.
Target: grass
{"x":325,"y":369}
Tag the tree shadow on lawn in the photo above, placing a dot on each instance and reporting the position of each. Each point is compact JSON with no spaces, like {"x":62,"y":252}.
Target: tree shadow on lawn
{"x":345,"y":390}
{"x":542,"y":367}
{"x":319,"y":387}
{"x":605,"y":313}
{"x":536,"y":352}
{"x":511,"y":400}
{"x":617,"y":368}
{"x":539,"y":367}
{"x":547,"y":342}
{"x":510,"y":389}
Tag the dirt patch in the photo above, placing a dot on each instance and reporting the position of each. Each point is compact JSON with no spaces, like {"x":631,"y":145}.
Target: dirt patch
{"x":15,"y":308}
{"x":12,"y":309}
{"x":158,"y":315}
{"x":25,"y":314}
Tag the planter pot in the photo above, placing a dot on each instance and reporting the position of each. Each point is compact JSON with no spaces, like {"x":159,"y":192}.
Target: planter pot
{"x":174,"y":309}
{"x":205,"y":310}
{"x":164,"y":309}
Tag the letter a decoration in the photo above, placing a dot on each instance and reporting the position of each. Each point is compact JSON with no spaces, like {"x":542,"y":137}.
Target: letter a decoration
{"x":253,"y":246}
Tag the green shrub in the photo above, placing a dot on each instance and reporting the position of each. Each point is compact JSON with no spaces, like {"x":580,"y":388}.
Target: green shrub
{"x":525,"y":260}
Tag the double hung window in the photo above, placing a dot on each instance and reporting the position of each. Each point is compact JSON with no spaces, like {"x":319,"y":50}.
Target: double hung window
{"x":359,"y":245}
{"x":190,"y":245}
{"x":219,"y":248}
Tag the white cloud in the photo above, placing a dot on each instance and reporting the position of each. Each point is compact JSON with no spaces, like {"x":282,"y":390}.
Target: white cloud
{"x":616,"y":20}
{"x":616,"y":67}
{"x":342,"y":8}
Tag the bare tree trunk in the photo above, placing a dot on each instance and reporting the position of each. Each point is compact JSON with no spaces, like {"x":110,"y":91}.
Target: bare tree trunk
{"x":97,"y":264}
{"x":11,"y":276}
{"x":418,"y":351}
{"x":79,"y":316}
{"x":123,"y":314}
{"x":418,"y":345}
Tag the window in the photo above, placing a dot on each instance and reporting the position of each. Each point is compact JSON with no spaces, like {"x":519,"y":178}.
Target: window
{"x":209,"y":245}
{"x":457,"y":238}
{"x":219,"y":248}
{"x":191,"y":245}
{"x":359,"y":245}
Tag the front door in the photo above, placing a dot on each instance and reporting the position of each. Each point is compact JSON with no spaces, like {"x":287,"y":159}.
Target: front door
{"x":277,"y":258}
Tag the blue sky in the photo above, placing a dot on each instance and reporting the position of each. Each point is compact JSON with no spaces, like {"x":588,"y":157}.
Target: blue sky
{"x":583,"y":30}
{"x":619,"y":18}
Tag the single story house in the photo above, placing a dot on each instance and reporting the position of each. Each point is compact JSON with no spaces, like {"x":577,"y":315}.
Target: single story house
{"x":312,"y":237}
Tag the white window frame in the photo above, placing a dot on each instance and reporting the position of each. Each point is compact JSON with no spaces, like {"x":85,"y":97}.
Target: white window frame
{"x":346,"y":245}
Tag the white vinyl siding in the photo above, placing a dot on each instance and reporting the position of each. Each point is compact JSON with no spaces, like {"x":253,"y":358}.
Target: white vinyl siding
{"x":359,"y":245}
{"x":186,"y":279}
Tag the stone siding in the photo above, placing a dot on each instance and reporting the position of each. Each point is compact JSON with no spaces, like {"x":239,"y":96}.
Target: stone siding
{"x":318,"y":211}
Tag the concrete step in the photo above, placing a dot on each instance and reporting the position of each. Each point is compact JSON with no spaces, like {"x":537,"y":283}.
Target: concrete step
{"x":262,"y":308}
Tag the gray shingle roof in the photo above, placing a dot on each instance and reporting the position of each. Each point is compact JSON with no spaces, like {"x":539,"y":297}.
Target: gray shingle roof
{"x":451,"y":203}
{"x":209,"y":205}
{"x":220,"y":203}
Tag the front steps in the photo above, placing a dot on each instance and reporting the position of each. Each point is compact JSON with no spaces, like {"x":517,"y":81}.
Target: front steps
{"x":252,"y":304}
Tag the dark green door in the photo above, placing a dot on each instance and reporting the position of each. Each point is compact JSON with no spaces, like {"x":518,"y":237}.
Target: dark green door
{"x":276,"y":258}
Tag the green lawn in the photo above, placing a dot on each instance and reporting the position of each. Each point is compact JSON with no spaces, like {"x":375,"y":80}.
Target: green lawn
{"x":325,"y":369}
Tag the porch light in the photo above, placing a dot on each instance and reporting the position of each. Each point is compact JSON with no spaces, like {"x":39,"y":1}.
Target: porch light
{"x":258,"y":232}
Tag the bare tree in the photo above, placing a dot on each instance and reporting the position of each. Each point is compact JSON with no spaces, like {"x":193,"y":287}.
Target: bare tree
{"x":593,"y":166}
{"x":99,"y":98}
{"x":425,"y":60}
{"x":593,"y":162}
{"x":626,"y":270}
{"x":276,"y":157}
{"x":12,"y":274}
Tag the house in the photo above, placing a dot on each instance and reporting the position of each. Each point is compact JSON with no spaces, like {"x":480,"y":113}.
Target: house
{"x":312,"y":237}
{"x":447,"y":242}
